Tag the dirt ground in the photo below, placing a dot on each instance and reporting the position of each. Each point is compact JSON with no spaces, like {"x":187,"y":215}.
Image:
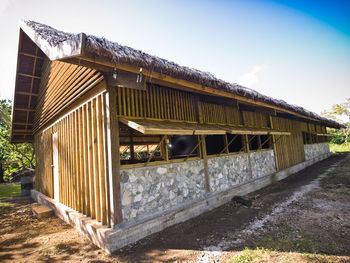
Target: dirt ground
{"x":305,"y":218}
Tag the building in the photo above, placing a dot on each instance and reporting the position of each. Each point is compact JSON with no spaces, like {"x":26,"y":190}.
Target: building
{"x":127,"y":143}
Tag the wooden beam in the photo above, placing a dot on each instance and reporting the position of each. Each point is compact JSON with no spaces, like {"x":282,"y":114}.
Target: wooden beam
{"x":28,"y":75}
{"x":23,"y":109}
{"x":27,"y":93}
{"x":29,"y":55}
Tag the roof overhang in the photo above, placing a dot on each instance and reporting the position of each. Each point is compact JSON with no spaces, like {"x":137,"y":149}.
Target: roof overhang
{"x":149,"y":127}
{"x":64,"y":49}
{"x":30,"y":60}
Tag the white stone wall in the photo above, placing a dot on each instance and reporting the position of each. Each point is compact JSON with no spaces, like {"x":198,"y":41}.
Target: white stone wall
{"x":263,"y":163}
{"x":314,"y":150}
{"x":146,"y":191}
{"x":227,"y":171}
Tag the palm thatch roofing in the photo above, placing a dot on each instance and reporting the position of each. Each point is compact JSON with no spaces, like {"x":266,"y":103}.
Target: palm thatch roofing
{"x":58,"y":45}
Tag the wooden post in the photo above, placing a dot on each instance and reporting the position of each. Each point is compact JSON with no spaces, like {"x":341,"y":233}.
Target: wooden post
{"x":246,"y":139}
{"x":203,"y":149}
{"x":132,"y":149}
{"x":274,"y":144}
{"x":205,"y":160}
{"x":166,"y":150}
{"x":114,"y":157}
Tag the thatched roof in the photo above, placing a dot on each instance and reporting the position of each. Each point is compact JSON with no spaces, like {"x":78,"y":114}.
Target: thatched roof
{"x":58,"y":44}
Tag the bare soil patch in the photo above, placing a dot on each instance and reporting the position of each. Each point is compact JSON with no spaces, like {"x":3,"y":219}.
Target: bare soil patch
{"x":313,"y":226}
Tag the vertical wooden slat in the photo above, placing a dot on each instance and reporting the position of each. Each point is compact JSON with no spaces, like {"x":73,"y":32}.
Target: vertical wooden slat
{"x":101,"y":161}
{"x":73,"y":162}
{"x":151,"y":97}
{"x":120,"y":106}
{"x":106,"y":153}
{"x":168,"y":116}
{"x":80,"y":160}
{"x":132,"y":102}
{"x":86,"y":160}
{"x":64,"y":162}
{"x":148,"y":102}
{"x":69,"y":161}
{"x":125,"y":112}
{"x":145,"y":103}
{"x":95,"y":115}
{"x":91,"y":161}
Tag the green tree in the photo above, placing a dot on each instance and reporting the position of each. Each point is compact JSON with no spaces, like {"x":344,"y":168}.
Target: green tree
{"x":12,"y":156}
{"x":337,"y":112}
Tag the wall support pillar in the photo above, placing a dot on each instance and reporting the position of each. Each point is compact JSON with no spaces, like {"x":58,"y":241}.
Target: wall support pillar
{"x":246,"y":139}
{"x":116,"y":216}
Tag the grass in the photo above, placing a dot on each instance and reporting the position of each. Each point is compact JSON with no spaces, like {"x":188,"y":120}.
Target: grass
{"x":339,"y":147}
{"x":287,"y":238}
{"x":4,"y":207}
{"x":265,"y":255}
{"x":6,"y":192}
{"x":247,"y":256}
{"x":10,"y":190}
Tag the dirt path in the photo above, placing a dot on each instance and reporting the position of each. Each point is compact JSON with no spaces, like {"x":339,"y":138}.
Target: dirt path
{"x":299,"y":207}
{"x":305,"y":218}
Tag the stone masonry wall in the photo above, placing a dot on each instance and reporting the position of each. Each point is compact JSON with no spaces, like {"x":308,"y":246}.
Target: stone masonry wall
{"x":149,"y":190}
{"x":227,"y":171}
{"x":314,"y":150}
{"x":263,"y":163}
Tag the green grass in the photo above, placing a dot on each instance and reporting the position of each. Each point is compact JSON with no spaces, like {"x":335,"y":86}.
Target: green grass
{"x":4,"y":207}
{"x":10,"y":190}
{"x":339,"y":147}
{"x":246,"y":256}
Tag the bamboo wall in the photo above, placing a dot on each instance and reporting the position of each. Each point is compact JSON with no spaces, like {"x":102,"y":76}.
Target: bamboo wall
{"x":313,"y":128}
{"x":289,"y":150}
{"x":256,"y":119}
{"x":156,"y":103}
{"x":43,"y":159}
{"x":61,"y":84}
{"x":82,"y":159}
{"x":220,"y":114}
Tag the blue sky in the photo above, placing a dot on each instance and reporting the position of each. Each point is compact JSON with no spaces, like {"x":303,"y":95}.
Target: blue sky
{"x":297,"y":50}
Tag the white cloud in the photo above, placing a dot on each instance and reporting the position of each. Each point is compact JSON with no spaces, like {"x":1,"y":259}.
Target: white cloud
{"x":253,"y":77}
{"x":3,"y":5}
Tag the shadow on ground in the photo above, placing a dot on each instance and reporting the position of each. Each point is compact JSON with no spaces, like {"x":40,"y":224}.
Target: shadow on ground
{"x":311,"y":227}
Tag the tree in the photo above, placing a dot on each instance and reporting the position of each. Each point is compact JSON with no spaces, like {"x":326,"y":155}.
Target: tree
{"x":336,"y":113}
{"x":12,"y":156}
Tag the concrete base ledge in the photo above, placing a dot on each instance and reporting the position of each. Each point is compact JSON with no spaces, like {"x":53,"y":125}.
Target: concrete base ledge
{"x":113,"y":239}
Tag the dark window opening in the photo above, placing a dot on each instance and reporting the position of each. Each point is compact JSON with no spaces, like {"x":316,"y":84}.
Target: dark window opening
{"x":265,"y":141}
{"x":253,"y":142}
{"x":215,"y":144}
{"x":136,"y":147}
{"x":182,"y":146}
{"x":313,"y":138}
{"x":304,"y":138}
{"x":307,"y":138}
{"x":236,"y":145}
